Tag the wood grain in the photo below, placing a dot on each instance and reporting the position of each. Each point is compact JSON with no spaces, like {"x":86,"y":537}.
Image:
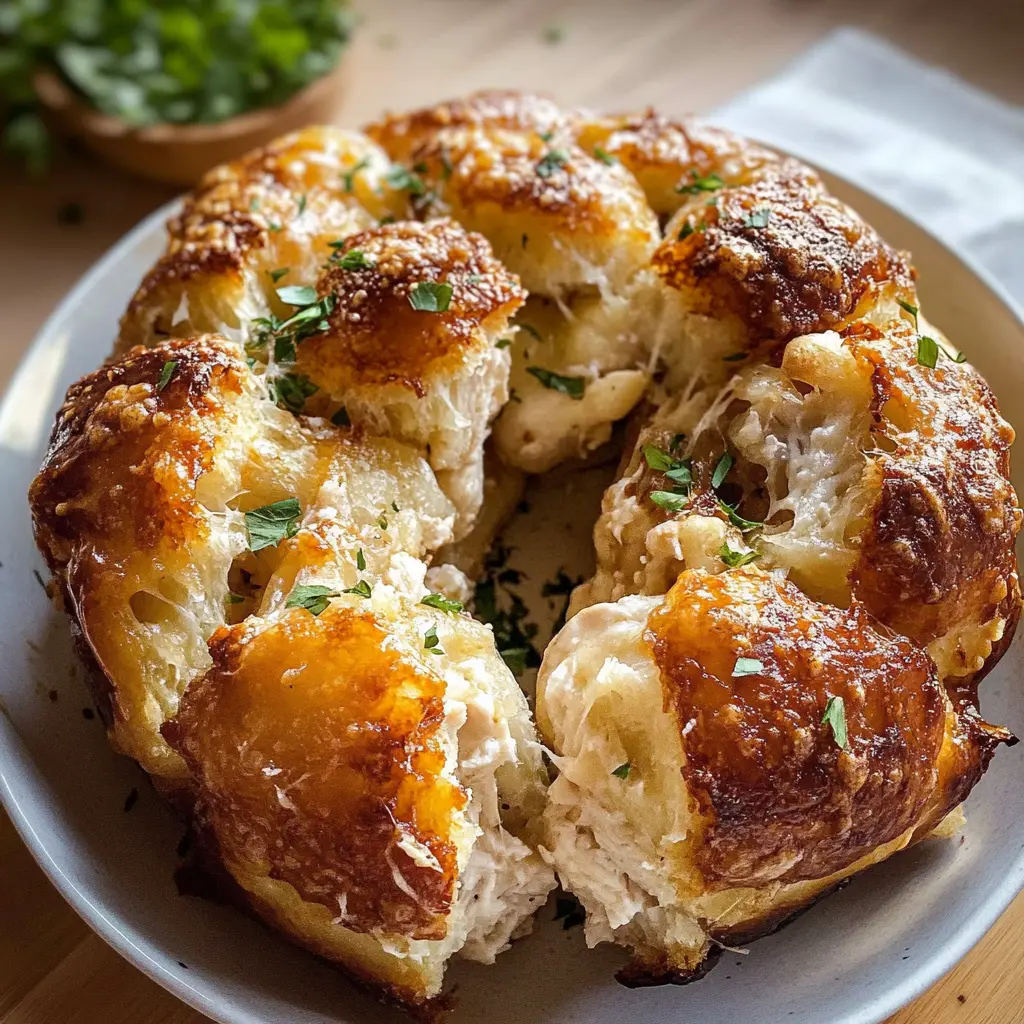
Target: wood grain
{"x":676,"y":56}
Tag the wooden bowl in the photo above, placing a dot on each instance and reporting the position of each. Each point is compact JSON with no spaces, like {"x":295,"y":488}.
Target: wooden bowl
{"x":179,"y":154}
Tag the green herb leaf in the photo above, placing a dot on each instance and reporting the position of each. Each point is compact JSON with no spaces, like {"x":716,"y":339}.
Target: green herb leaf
{"x":571,"y":386}
{"x":835,"y":719}
{"x":291,"y":391}
{"x":234,"y":598}
{"x":442,"y":603}
{"x":430,"y":296}
{"x":297,"y":295}
{"x":340,"y":418}
{"x":927,"y":351}
{"x":431,"y":641}
{"x":759,"y":218}
{"x":269,"y":525}
{"x":361,"y":589}
{"x":721,"y":471}
{"x":360,"y":560}
{"x":552,"y":160}
{"x":747,"y":667}
{"x":670,"y":501}
{"x":314,"y":598}
{"x":909,"y":308}
{"x":746,"y":525}
{"x":301,"y":203}
{"x":657,"y":459}
{"x":705,"y":183}
{"x":622,"y":772}
{"x":404,"y":180}
{"x":531,"y":331}
{"x":735,"y":559}
{"x":168,"y":371}
{"x":503,"y":343}
{"x":355,"y":259}
{"x":605,"y":157}
{"x":348,"y":178}
{"x":276,"y":275}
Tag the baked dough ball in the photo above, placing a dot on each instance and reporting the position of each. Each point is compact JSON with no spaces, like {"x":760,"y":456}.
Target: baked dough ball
{"x":140,"y":509}
{"x":262,"y":221}
{"x":731,"y":751}
{"x":875,"y":477}
{"x":378,"y":811}
{"x":411,"y":345}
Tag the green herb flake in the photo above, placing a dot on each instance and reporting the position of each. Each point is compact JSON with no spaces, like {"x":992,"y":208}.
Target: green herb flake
{"x":552,"y":160}
{"x":276,"y":275}
{"x":531,"y":331}
{"x":354,"y":259}
{"x":622,"y":772}
{"x":657,"y":459}
{"x":927,"y":351}
{"x":670,"y":501}
{"x":301,"y":204}
{"x":431,"y":641}
{"x":745,"y":525}
{"x":442,"y":603}
{"x":571,"y":386}
{"x":300,"y":295}
{"x":291,"y":390}
{"x":314,"y":598}
{"x":835,"y":719}
{"x":404,"y":180}
{"x":701,"y":183}
{"x":909,"y":308}
{"x":503,"y":343}
{"x":361,"y":589}
{"x":759,"y":218}
{"x":348,"y":178}
{"x":735,"y":559}
{"x":234,"y":598}
{"x":747,"y":667}
{"x":269,"y":525}
{"x":430,"y":296}
{"x":604,"y":156}
{"x":166,"y":373}
{"x":721,"y":471}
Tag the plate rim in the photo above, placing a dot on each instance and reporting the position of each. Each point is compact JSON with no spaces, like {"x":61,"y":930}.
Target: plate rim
{"x":103,"y":921}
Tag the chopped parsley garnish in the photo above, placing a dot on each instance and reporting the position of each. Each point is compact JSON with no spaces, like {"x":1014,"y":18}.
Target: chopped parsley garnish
{"x":561,"y":586}
{"x":701,"y":183}
{"x":301,"y":203}
{"x":734,"y":559}
{"x":442,"y":603}
{"x":360,"y":560}
{"x":361,"y":589}
{"x":670,"y":501}
{"x":545,"y":136}
{"x":604,"y":156}
{"x":394,"y":507}
{"x":622,"y":772}
{"x":274,"y":227}
{"x":658,"y":459}
{"x":430,"y":296}
{"x":503,"y":343}
{"x":745,"y":525}
{"x":269,"y":525}
{"x":927,"y":351}
{"x":354,"y":259}
{"x":505,"y":612}
{"x":759,"y":218}
{"x":721,"y":471}
{"x":531,"y":331}
{"x":297,"y":295}
{"x":291,"y":390}
{"x":835,"y":719}
{"x":571,"y":386}
{"x":314,"y":598}
{"x":341,"y":419}
{"x":382,"y":521}
{"x":909,"y":308}
{"x":286,"y":334}
{"x":166,"y":373}
{"x":401,"y":178}
{"x":348,"y":177}
{"x":552,"y":160}
{"x":689,"y":229}
{"x":431,"y":641}
{"x":276,"y":275}
{"x":747,"y":667}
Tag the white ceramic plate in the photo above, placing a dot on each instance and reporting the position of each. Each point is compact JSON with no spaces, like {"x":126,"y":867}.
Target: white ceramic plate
{"x":853,"y":959}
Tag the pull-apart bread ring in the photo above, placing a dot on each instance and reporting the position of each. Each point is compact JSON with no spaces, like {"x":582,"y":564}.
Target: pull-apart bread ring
{"x":256,"y":513}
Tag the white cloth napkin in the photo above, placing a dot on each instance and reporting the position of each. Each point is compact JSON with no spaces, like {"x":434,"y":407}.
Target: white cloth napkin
{"x":945,"y":153}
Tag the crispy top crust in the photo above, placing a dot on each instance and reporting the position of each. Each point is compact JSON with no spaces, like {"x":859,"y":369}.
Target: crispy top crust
{"x":667,"y":156}
{"x":376,"y":337}
{"x":780,"y":254}
{"x":402,"y":134}
{"x":782,"y":800}
{"x":939,"y":548}
{"x":283,"y":203}
{"x":124,"y":457}
{"x":316,"y":752}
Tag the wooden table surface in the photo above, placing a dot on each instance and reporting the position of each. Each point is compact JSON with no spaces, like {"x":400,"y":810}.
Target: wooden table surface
{"x":677,"y":56}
